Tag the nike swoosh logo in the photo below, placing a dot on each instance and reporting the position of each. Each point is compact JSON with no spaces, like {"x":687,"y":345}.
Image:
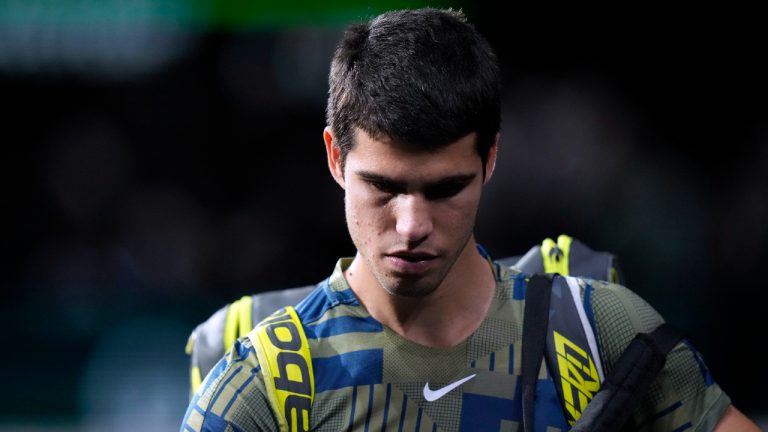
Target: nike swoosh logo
{"x":433,"y":395}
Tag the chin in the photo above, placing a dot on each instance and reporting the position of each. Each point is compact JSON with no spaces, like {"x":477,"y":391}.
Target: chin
{"x":414,"y":289}
{"x":412,"y":292}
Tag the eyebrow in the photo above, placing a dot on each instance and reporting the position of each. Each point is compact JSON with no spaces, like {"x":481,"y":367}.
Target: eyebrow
{"x":371,"y":177}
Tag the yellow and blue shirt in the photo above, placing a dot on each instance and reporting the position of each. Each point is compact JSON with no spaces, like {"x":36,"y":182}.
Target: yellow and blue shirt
{"x":368,"y":378}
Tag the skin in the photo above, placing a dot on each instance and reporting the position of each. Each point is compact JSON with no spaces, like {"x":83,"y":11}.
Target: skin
{"x":411,"y":216}
{"x":734,"y":421}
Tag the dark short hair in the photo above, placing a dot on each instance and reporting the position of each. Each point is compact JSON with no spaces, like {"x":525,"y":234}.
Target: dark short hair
{"x":422,"y":77}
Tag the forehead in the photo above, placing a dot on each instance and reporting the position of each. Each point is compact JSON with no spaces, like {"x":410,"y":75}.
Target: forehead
{"x":397,"y":160}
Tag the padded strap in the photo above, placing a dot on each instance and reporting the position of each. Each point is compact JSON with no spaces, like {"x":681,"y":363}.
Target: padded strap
{"x":535,"y":320}
{"x":628,"y":381}
{"x":238,"y":322}
{"x":286,"y":363}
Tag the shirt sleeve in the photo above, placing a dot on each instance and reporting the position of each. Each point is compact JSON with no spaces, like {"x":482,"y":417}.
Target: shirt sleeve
{"x":232,"y":397}
{"x":684,"y":395}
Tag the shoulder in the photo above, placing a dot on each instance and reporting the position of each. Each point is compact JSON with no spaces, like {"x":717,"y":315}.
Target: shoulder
{"x":232,"y":396}
{"x":618,"y":314}
{"x":684,"y":393}
{"x":615,"y":304}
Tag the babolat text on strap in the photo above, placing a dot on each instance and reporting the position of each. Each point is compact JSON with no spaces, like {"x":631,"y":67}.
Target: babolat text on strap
{"x":572,"y":354}
{"x":555,"y":326}
{"x":284,"y":356}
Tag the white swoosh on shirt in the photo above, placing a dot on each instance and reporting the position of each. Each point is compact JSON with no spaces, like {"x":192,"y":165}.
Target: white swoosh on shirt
{"x":433,"y":395}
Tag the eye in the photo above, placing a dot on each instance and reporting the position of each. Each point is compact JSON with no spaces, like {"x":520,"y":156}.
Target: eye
{"x":386,"y":187}
{"x":444,"y":190}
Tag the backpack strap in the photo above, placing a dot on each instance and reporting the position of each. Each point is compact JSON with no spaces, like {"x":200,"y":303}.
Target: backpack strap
{"x":555,"y":327}
{"x":286,"y":363}
{"x":238,"y":321}
{"x":554,"y":322}
{"x":629,"y":380}
{"x":535,"y":318}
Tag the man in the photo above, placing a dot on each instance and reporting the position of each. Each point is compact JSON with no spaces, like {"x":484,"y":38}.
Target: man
{"x":421,"y":330}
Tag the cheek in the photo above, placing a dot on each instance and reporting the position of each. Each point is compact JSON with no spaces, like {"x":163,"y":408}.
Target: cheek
{"x":459,"y":214}
{"x":453,"y":222}
{"x":365,"y":218}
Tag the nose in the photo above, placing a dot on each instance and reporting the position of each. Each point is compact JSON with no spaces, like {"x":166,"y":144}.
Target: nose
{"x":414,"y":218}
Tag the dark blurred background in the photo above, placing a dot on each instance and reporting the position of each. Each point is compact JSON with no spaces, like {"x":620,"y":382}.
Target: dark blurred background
{"x":161,"y":158}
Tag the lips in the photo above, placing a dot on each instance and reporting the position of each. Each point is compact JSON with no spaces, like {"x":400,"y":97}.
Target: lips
{"x":411,"y":262}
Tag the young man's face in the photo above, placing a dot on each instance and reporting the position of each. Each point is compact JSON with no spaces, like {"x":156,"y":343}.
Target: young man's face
{"x":410,"y":214}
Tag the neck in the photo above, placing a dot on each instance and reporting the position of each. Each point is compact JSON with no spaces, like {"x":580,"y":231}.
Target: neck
{"x":444,"y":318}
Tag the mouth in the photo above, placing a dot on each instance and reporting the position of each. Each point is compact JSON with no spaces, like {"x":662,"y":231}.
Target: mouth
{"x":407,"y":262}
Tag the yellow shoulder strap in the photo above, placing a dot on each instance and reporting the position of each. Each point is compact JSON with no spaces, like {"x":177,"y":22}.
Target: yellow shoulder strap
{"x":195,"y":377}
{"x":283,"y":353}
{"x":555,"y":255}
{"x":238,"y":321}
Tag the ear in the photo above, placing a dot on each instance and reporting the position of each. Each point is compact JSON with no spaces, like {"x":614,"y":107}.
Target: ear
{"x":490,"y":163}
{"x":334,"y":156}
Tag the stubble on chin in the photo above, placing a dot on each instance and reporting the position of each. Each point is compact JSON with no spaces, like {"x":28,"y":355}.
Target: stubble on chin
{"x":401,"y":288}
